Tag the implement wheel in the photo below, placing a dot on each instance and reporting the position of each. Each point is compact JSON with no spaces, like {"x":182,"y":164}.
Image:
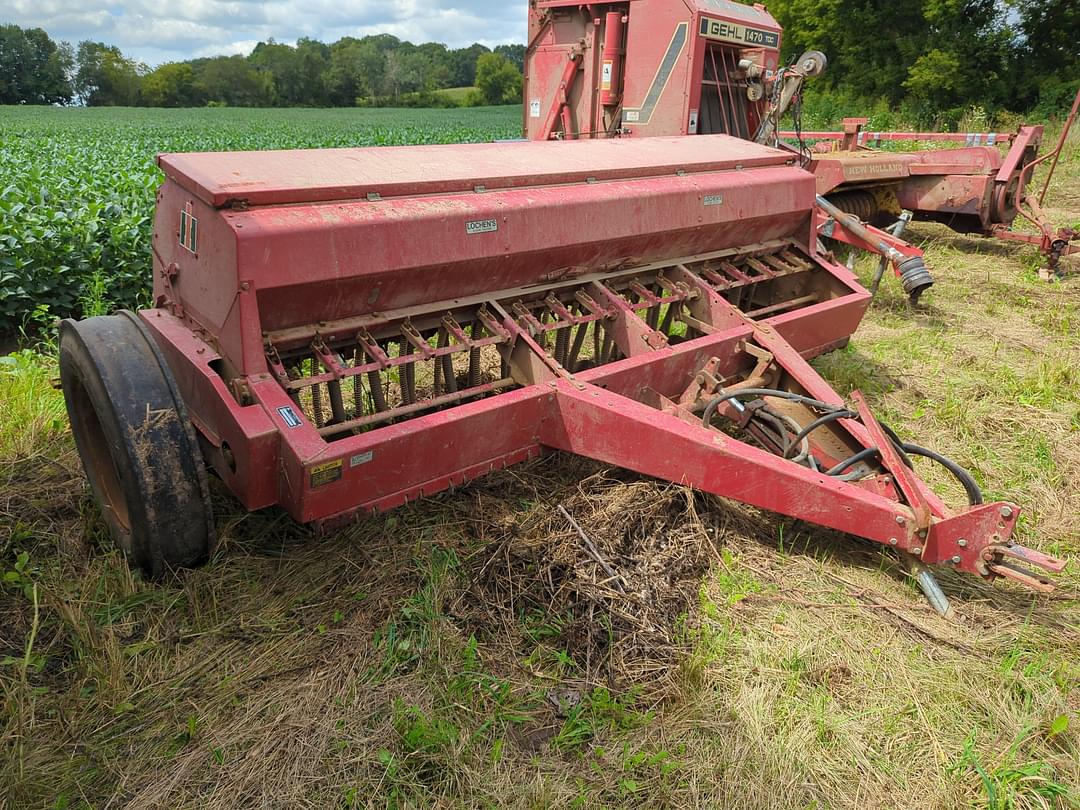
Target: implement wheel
{"x":136,"y":443}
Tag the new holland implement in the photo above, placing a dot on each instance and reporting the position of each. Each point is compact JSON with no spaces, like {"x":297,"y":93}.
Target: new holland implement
{"x":640,"y":68}
{"x":338,"y":332}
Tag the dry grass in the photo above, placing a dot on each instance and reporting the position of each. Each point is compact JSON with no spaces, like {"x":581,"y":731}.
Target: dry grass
{"x":466,"y":651}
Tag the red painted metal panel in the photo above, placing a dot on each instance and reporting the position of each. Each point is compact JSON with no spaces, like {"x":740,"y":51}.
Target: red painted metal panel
{"x":245,"y":431}
{"x":659,"y":44}
{"x":327,"y":262}
{"x":325,"y":175}
{"x":600,"y":425}
{"x":397,"y":463}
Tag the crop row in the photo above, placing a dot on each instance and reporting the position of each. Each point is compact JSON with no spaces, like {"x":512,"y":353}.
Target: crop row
{"x":77,"y":187}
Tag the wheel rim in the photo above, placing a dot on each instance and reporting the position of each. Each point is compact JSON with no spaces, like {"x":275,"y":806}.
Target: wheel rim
{"x":103,"y":470}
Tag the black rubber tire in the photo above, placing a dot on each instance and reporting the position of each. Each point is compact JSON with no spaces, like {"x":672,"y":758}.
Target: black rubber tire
{"x":137,"y":445}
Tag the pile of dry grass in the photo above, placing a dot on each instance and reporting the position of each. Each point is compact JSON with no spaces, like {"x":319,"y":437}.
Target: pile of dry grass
{"x":614,"y":564}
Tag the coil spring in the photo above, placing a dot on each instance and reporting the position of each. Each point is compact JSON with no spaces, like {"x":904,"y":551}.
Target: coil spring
{"x":862,"y":204}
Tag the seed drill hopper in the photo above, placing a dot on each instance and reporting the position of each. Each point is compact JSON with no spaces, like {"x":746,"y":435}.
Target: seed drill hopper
{"x":640,"y":68}
{"x":339,"y":332}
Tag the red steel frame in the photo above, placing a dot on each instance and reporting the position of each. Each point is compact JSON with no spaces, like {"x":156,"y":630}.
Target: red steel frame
{"x":316,"y":255}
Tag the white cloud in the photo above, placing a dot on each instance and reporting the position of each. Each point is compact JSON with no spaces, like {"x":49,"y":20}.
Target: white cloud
{"x":154,"y":32}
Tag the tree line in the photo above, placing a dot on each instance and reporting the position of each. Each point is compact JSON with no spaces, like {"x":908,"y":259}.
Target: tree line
{"x":931,"y":55}
{"x":942,"y":54}
{"x":376,"y":70}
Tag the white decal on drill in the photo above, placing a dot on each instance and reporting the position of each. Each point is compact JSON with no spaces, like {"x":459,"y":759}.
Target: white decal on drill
{"x":534,"y":108}
{"x":481,"y":226}
{"x":289,"y":416}
{"x":361,"y":458}
{"x":714,"y":199}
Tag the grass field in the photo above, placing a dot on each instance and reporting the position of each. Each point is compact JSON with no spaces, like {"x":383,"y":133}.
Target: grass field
{"x":457,"y":653}
{"x":459,"y":94}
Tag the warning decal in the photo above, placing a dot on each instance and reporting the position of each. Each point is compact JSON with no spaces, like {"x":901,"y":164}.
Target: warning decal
{"x":326,"y":473}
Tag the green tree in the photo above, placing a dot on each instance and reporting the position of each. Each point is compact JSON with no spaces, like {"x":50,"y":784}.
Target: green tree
{"x":296,"y":75}
{"x":463,"y":65}
{"x":515,"y":53}
{"x":944,"y":52}
{"x":33,"y":68}
{"x":1047,"y":63}
{"x":312,"y":63}
{"x":234,"y":81}
{"x":435,"y":67}
{"x":355,"y":72}
{"x":105,"y":77}
{"x":498,"y":81}
{"x":172,"y":85}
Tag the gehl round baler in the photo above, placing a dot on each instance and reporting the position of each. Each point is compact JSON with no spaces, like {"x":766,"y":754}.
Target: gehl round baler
{"x":642,"y":68}
{"x":339,"y":332}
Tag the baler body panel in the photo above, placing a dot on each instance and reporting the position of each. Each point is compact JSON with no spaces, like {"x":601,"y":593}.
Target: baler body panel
{"x":685,"y":67}
{"x":676,"y":72}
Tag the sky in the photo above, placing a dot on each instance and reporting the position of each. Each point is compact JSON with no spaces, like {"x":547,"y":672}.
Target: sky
{"x":157,"y":31}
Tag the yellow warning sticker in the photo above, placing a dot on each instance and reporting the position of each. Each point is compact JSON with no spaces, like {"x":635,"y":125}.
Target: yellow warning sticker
{"x":326,"y":473}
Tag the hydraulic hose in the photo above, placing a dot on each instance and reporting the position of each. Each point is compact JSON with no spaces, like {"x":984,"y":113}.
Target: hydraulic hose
{"x":834,"y":412}
{"x":716,"y":402}
{"x":862,"y":455}
{"x":772,"y":419}
{"x":974,"y":494}
{"x":831,"y":416}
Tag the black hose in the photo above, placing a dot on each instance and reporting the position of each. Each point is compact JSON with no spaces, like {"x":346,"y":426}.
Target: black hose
{"x":975,"y":496}
{"x":768,"y":416}
{"x":833,"y":412}
{"x":831,"y":416}
{"x":898,"y":444}
{"x":862,"y":455}
{"x":715,"y":402}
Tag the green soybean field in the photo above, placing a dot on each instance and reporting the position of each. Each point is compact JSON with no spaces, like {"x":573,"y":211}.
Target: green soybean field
{"x":77,"y":186}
